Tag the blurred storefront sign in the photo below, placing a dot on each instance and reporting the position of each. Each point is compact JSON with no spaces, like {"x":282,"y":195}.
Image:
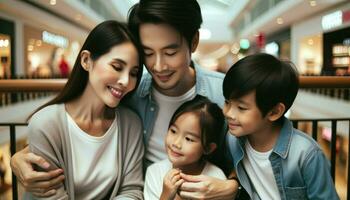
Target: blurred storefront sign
{"x":335,"y":19}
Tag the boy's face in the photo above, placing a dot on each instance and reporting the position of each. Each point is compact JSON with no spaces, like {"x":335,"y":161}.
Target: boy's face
{"x":243,"y":116}
{"x":167,"y":57}
{"x":183,"y":141}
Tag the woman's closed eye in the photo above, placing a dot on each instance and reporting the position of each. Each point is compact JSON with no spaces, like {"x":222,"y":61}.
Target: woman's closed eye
{"x":117,"y":67}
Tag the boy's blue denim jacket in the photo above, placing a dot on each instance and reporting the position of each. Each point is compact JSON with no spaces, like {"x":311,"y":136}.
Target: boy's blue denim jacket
{"x":208,"y":84}
{"x":300,"y":168}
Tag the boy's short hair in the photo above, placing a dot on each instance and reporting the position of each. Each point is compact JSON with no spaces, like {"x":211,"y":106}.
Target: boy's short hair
{"x":274,"y":81}
{"x":183,"y":15}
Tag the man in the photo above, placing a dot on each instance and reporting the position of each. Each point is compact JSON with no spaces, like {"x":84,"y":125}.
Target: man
{"x":169,"y":33}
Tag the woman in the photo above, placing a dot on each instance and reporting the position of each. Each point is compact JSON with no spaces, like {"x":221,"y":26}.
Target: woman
{"x":98,"y":146}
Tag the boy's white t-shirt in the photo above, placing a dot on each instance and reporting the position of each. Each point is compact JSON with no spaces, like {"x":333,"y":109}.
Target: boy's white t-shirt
{"x":94,"y":161}
{"x":259,"y":170}
{"x":155,"y":151}
{"x":157,"y":171}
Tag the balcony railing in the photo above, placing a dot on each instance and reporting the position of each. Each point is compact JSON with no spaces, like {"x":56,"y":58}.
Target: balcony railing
{"x":55,"y":85}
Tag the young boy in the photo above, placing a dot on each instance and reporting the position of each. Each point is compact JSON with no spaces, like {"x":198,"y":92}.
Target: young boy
{"x":272,"y":159}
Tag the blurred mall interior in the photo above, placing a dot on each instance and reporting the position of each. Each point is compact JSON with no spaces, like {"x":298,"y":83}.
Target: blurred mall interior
{"x":40,"y":39}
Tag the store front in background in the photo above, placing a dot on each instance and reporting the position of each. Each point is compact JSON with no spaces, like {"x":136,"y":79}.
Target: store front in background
{"x":336,"y":52}
{"x":278,"y":44}
{"x":48,"y":54}
{"x":7,"y":41}
{"x":336,"y":42}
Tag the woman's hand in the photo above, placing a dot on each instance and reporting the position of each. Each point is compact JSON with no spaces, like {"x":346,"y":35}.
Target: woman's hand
{"x":40,"y":184}
{"x":171,"y":182}
{"x":205,"y":187}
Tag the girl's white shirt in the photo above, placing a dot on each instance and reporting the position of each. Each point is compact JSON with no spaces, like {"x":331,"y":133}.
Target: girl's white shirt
{"x":157,"y":171}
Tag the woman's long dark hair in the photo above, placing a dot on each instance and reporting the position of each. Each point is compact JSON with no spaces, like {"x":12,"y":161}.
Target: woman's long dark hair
{"x":99,"y":42}
{"x":212,"y":125}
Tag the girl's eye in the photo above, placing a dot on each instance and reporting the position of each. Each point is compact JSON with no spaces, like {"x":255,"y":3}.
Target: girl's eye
{"x":189,"y":139}
{"x":227,"y":102}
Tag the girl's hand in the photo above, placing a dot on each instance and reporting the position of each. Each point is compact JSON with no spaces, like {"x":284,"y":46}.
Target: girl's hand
{"x":172,"y":181}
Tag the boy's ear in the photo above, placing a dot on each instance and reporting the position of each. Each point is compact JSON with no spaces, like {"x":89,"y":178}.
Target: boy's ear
{"x":212,"y":147}
{"x":85,"y":60}
{"x":276,"y":112}
{"x":195,"y":42}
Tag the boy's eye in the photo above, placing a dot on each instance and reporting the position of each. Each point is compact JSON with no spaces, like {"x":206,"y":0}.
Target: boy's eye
{"x":172,"y":130}
{"x":227,"y":102}
{"x":242,"y":108}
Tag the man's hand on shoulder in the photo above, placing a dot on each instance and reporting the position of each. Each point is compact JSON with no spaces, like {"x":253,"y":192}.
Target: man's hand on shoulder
{"x":41,"y":184}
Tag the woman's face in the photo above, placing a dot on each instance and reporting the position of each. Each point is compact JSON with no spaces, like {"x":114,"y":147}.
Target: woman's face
{"x":114,"y":74}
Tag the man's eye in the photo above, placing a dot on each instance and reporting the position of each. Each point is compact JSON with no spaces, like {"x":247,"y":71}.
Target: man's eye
{"x":170,"y":53}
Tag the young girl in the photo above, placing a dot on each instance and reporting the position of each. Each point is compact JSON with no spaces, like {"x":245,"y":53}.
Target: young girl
{"x":98,"y":147}
{"x":194,"y":135}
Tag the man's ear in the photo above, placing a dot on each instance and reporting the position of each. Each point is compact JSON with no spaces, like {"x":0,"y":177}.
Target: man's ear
{"x":195,"y":41}
{"x":276,"y":112}
{"x":212,"y":147}
{"x":85,"y":60}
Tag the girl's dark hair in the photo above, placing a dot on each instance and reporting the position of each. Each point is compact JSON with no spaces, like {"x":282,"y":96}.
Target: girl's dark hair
{"x":274,"y":81}
{"x":212,"y":124}
{"x":183,"y":15}
{"x":100,"y":40}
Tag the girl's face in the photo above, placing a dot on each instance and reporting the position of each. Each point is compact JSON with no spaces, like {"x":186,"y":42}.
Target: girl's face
{"x":183,"y":141}
{"x":114,"y":74}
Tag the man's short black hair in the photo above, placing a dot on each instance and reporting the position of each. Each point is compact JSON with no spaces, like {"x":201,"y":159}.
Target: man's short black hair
{"x":273,"y":80}
{"x":183,"y":15}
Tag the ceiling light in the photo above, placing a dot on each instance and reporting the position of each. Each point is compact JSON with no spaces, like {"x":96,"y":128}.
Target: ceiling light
{"x":310,"y":41}
{"x":53,"y":2}
{"x":279,"y":20}
{"x":313,"y":3}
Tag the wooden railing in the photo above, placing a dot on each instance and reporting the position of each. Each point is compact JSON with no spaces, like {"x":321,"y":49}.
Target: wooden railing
{"x":39,"y":85}
{"x":55,"y":85}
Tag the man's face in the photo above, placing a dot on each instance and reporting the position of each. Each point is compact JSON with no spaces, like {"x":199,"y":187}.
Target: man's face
{"x":167,"y":57}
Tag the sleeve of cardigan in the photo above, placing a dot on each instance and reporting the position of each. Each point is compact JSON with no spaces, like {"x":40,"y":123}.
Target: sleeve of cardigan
{"x":132,"y":183}
{"x":41,"y":139}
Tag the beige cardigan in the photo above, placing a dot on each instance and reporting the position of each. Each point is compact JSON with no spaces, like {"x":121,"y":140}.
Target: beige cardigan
{"x":48,"y":138}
